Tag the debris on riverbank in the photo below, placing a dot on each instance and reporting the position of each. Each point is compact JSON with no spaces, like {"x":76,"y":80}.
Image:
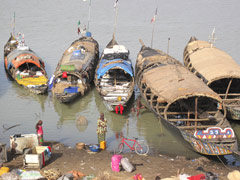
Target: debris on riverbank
{"x":67,"y":160}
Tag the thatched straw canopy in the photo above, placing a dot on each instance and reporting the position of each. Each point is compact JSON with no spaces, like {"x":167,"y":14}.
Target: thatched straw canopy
{"x":212,"y":63}
{"x":172,"y":82}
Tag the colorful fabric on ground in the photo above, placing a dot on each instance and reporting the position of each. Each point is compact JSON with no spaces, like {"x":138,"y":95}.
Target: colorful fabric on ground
{"x":35,"y":81}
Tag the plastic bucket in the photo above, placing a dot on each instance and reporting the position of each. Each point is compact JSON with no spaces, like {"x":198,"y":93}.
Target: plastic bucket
{"x":127,"y":166}
{"x":116,"y":159}
{"x":103,"y":145}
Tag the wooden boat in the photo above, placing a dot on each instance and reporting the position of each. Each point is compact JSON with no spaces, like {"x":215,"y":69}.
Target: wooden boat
{"x":114,"y":77}
{"x":218,"y":70}
{"x":75,"y":70}
{"x":184,"y":103}
{"x":24,"y":66}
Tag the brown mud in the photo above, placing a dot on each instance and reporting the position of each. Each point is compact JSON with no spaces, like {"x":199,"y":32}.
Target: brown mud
{"x":66,"y":159}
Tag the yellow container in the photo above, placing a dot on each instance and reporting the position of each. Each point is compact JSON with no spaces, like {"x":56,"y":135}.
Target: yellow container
{"x":103,"y":145}
{"x":4,"y":170}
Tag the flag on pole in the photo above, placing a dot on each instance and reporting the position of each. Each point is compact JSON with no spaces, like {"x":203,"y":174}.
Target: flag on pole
{"x":116,"y":3}
{"x":78,"y":31}
{"x":154,"y":17}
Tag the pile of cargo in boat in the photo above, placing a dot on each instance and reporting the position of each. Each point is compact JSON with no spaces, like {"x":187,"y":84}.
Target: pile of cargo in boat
{"x":218,"y":70}
{"x":24,"y":66}
{"x":75,"y":70}
{"x":184,"y":103}
{"x":114,"y":77}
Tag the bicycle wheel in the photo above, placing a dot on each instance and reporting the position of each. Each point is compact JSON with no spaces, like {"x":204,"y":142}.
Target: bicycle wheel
{"x":141,"y":148}
{"x":120,"y":148}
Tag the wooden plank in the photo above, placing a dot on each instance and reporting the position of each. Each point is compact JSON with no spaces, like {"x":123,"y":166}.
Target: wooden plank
{"x":233,"y":105}
{"x":231,"y":100}
{"x":230,"y":94}
{"x":194,"y":127}
{"x":194,"y":120}
{"x":182,"y":113}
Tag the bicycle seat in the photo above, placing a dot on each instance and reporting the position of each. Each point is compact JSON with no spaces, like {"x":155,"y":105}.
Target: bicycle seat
{"x":135,"y":138}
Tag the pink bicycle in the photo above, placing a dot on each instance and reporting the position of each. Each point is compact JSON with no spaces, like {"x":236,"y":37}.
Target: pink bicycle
{"x":139,"y":146}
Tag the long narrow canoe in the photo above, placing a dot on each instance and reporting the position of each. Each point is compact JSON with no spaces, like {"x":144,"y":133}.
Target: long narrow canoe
{"x":114,"y":77}
{"x":218,"y":70}
{"x":184,"y":103}
{"x":24,"y":66}
{"x":75,"y":71}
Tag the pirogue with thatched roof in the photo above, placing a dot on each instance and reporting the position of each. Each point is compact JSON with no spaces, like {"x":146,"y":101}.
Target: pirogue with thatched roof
{"x":218,"y":70}
{"x":184,"y":102}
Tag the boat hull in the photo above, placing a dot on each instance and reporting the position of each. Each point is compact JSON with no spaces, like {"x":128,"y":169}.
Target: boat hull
{"x":23,"y":66}
{"x":196,"y":144}
{"x":75,"y":71}
{"x":114,"y":78}
{"x":189,"y":108}
{"x":233,"y":113}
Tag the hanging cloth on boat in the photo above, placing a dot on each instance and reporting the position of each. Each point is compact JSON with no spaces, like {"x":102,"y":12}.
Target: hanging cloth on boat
{"x":34,"y":81}
{"x":119,"y":108}
{"x":64,"y":75}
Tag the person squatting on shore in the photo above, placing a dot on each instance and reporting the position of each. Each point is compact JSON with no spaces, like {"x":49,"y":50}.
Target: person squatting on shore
{"x":39,"y":131}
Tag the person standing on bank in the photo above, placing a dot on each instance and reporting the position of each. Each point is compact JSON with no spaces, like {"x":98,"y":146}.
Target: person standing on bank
{"x":101,"y":128}
{"x":39,"y":131}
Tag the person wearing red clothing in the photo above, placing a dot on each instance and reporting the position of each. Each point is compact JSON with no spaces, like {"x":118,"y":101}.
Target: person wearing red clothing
{"x":39,"y":131}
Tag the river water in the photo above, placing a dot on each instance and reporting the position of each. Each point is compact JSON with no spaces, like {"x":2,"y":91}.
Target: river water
{"x":51,"y":26}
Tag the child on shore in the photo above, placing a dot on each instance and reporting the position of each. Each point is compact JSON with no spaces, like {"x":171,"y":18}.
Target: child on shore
{"x":39,"y":131}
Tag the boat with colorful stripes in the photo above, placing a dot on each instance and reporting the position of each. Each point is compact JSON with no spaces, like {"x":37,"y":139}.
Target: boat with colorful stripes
{"x":185,"y":104}
{"x":24,"y":66}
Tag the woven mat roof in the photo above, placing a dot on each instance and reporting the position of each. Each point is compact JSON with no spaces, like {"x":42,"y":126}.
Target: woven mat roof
{"x":172,"y":82}
{"x":212,"y":63}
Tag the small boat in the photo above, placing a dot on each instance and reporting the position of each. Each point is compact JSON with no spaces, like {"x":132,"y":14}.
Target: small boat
{"x":75,"y":70}
{"x":184,"y":103}
{"x":218,"y":70}
{"x":24,"y":66}
{"x":114,"y":77}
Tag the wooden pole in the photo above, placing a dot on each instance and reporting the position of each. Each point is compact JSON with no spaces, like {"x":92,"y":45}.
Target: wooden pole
{"x":89,"y":14}
{"x":196,"y":107}
{"x":153,"y":33}
{"x":168,"y":46}
{"x":115,"y":25}
{"x":229,"y":84}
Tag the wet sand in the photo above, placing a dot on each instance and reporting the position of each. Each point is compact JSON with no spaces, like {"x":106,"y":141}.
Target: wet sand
{"x":66,"y":159}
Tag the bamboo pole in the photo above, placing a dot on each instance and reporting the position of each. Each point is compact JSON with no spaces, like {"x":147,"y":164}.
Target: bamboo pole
{"x":196,"y":113}
{"x":229,"y":84}
{"x":115,"y":25}
{"x":89,"y":14}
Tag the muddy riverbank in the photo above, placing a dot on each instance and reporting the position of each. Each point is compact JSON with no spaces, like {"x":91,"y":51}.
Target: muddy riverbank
{"x":66,"y":159}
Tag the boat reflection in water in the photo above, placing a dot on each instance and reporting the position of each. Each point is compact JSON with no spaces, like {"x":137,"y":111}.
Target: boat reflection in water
{"x":160,"y":139}
{"x":72,"y":111}
{"x":23,"y":94}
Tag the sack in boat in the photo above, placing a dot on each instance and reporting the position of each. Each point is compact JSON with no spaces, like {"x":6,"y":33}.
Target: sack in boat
{"x":69,"y":68}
